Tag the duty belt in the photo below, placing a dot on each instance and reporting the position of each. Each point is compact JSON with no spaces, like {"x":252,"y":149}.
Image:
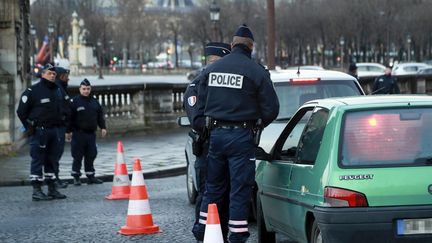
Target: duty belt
{"x":233,"y":124}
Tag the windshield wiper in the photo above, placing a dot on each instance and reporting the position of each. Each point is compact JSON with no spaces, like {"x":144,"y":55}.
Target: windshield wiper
{"x":283,"y":119}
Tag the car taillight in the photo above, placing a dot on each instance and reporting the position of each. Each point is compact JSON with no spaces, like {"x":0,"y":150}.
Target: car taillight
{"x":304,"y":80}
{"x":338,"y":197}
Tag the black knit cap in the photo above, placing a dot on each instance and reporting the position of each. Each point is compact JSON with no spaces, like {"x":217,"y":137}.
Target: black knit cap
{"x":217,"y":49}
{"x":85,"y":82}
{"x":244,"y":31}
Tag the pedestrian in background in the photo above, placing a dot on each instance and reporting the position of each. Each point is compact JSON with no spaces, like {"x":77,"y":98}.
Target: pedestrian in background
{"x":385,"y":84}
{"x":352,"y":70}
{"x":86,"y":116}
{"x":41,"y":111}
{"x":213,"y":52}
{"x":234,"y":93}
{"x":62,"y":79}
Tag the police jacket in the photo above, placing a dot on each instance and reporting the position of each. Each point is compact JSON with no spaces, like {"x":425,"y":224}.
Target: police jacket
{"x":237,"y":89}
{"x":385,"y":84}
{"x":43,"y":105}
{"x":87,"y":114}
{"x":196,"y":116}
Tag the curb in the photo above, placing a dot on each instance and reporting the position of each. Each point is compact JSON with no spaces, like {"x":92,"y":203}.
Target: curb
{"x":162,"y":172}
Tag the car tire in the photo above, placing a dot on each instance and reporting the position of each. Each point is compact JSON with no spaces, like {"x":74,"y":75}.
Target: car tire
{"x":264,"y":236}
{"x":190,"y":187}
{"x":316,"y":236}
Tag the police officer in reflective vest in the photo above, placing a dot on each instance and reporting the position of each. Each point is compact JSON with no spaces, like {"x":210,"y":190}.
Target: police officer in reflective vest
{"x":213,"y":52}
{"x":86,"y":116}
{"x":41,"y":111}
{"x":235,"y":94}
{"x":62,"y":79}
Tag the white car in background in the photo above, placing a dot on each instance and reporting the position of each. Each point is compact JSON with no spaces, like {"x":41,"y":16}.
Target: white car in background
{"x":408,"y":68}
{"x":370,"y":69}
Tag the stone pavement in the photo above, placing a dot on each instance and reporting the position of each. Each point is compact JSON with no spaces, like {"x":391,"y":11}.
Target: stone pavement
{"x":161,"y":154}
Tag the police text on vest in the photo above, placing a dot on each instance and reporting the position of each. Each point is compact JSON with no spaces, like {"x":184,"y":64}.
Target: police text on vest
{"x":226,"y":80}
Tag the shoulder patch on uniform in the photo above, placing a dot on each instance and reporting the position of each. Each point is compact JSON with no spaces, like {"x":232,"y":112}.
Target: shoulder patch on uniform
{"x":24,"y":99}
{"x":192,"y":100}
{"x":225,"y":80}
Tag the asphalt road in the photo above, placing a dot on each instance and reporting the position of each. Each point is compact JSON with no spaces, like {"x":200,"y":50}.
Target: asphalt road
{"x":85,"y":216}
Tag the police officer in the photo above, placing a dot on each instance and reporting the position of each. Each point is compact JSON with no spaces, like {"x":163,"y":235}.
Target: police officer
{"x":213,"y":52}
{"x":41,"y":111}
{"x":62,"y":79}
{"x":385,"y":84}
{"x":86,"y":116}
{"x":235,"y":93}
{"x":352,"y":70}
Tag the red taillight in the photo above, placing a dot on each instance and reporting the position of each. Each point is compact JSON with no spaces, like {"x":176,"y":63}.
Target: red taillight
{"x":338,"y":197}
{"x":304,"y":80}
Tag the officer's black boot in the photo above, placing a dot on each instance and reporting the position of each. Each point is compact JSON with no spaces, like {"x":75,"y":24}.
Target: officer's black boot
{"x":38,"y":194}
{"x":60,"y":184}
{"x":93,"y":180}
{"x":77,"y":181}
{"x":52,"y":191}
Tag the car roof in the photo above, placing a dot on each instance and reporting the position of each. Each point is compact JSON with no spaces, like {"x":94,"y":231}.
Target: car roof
{"x":411,"y":64}
{"x":370,"y":64}
{"x":372,"y":100}
{"x":285,"y":75}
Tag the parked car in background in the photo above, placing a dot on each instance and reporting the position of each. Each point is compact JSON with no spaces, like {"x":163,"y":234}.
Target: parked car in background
{"x":292,"y":90}
{"x":426,"y":70}
{"x":348,"y":170}
{"x":408,"y":68}
{"x":369,"y":69}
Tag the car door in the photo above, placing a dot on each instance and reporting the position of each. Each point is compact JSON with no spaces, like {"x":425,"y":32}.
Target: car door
{"x":276,"y":175}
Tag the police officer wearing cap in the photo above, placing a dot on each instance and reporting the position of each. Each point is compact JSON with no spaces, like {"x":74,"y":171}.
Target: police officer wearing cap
{"x":385,"y":84}
{"x":86,"y":116}
{"x":41,"y":111}
{"x":62,"y":79}
{"x":235,"y":94}
{"x":213,"y":52}
{"x":352,"y":70}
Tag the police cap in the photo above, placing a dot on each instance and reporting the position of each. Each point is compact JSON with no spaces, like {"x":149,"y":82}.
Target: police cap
{"x":352,"y":66}
{"x":49,"y":67}
{"x":244,"y":31}
{"x":60,"y":70}
{"x":217,"y":49}
{"x":85,"y":82}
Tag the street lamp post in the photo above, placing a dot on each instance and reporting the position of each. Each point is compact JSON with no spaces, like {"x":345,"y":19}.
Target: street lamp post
{"x":99,"y":44}
{"x":51,"y":31}
{"x":342,"y":43}
{"x":214,"y":17}
{"x":409,"y":47}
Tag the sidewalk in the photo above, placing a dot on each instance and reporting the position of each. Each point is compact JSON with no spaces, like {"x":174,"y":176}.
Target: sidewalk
{"x":161,"y":154}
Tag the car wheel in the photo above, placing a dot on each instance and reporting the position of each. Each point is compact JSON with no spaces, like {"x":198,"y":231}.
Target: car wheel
{"x":191,"y":191}
{"x":264,"y":236}
{"x":316,"y":236}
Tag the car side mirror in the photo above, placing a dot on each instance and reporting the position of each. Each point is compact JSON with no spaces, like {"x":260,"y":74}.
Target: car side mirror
{"x":262,"y":155}
{"x":183,"y":121}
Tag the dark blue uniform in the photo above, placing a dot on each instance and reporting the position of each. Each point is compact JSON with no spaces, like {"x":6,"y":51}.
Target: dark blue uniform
{"x":42,"y":108}
{"x":86,"y":116}
{"x":385,"y":84}
{"x":235,"y":92}
{"x":63,"y":86}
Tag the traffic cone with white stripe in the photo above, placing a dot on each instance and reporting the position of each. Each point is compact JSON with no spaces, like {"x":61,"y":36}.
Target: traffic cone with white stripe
{"x":121,"y":183}
{"x":139,"y":219}
{"x":213,"y":231}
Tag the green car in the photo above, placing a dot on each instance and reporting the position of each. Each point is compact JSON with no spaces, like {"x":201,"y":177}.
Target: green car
{"x":348,"y":170}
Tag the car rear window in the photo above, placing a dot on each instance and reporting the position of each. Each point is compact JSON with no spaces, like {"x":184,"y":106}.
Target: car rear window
{"x":292,"y":96}
{"x":394,"y":137}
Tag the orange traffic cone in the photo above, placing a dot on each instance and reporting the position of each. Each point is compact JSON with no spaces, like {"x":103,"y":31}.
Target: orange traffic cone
{"x":213,"y":231}
{"x":139,"y":219}
{"x":121,"y":183}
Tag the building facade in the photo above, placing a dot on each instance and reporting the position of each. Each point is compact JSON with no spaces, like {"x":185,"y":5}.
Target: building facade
{"x":14,"y":68}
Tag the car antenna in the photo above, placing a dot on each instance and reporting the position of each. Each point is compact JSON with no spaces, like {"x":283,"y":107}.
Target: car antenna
{"x":298,"y":70}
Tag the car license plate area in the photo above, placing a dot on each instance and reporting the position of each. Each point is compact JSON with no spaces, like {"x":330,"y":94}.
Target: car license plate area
{"x":414,"y":226}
